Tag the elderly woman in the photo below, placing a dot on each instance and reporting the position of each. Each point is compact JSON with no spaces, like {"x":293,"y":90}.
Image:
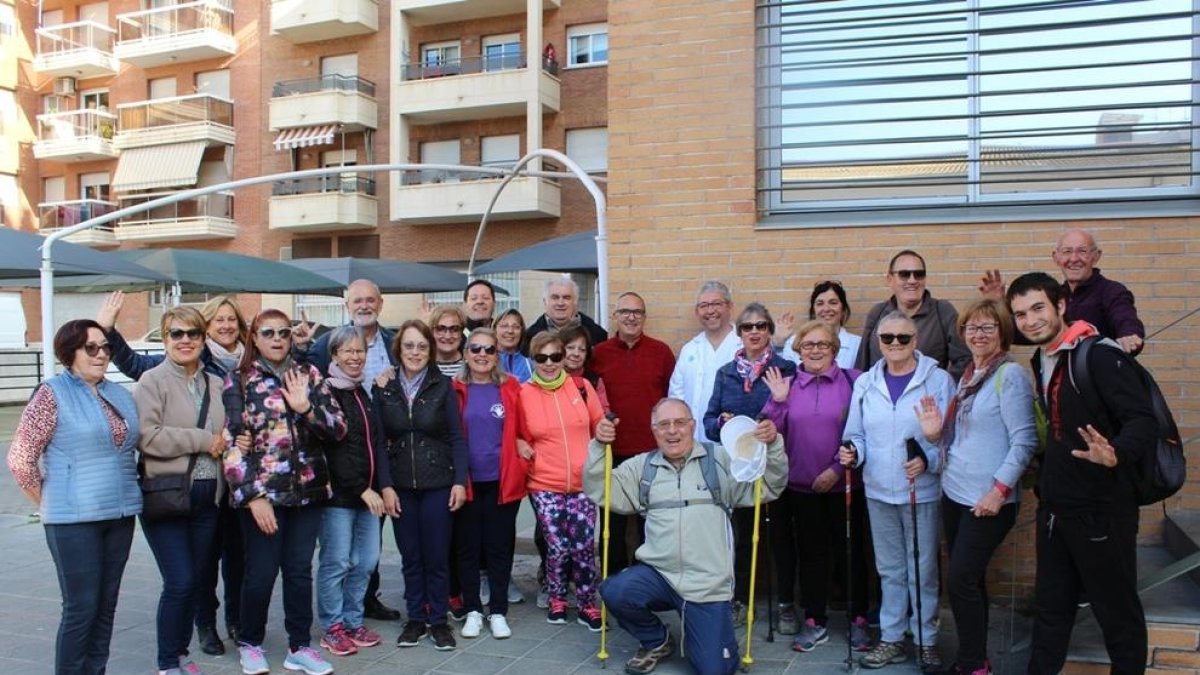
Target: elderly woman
{"x":557,"y":423}
{"x":740,"y":389}
{"x":489,"y":400}
{"x":989,"y":435}
{"x":810,"y":411}
{"x":828,"y":304}
{"x":362,"y":492}
{"x":73,"y":457}
{"x":182,"y":421}
{"x":578,"y":362}
{"x":280,"y":418}
{"x":428,"y":458}
{"x":510,"y":331}
{"x":447,"y":323}
{"x":879,"y":431}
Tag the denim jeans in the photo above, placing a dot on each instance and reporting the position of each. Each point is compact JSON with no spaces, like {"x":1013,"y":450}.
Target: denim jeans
{"x":227,"y":561}
{"x":289,"y":550}
{"x":349,"y":551}
{"x":892,"y":532}
{"x":423,"y":537}
{"x":181,"y":547}
{"x":90,"y":559}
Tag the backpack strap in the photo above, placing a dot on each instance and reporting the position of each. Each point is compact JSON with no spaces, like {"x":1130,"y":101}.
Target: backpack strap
{"x":708,"y":468}
{"x":1080,"y":376}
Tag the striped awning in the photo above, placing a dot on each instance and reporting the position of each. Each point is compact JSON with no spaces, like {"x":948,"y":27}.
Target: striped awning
{"x":304,"y":137}
{"x":158,"y":166}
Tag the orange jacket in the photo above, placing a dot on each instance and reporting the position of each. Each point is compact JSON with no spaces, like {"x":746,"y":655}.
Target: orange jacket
{"x":559,"y":425}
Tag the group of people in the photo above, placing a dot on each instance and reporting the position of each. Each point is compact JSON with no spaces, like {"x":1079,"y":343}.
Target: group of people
{"x":922,"y":426}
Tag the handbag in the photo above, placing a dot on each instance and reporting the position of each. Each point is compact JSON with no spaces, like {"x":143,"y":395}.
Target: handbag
{"x":170,"y":496}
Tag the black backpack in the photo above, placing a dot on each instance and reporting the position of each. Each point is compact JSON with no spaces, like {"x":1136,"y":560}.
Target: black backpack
{"x":1158,"y":474}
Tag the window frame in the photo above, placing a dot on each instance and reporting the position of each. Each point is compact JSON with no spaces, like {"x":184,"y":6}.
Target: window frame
{"x":590,"y":31}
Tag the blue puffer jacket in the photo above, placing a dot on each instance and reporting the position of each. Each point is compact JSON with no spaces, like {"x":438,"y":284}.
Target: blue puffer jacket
{"x":730,"y":396}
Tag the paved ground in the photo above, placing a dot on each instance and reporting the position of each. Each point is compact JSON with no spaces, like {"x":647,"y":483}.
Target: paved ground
{"x":29,"y":613}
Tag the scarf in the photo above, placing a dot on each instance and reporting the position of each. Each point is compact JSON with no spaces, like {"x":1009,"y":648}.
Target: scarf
{"x":410,"y":385}
{"x":748,"y":370}
{"x":550,"y":385}
{"x":339,"y":379}
{"x":227,"y":359}
{"x":970,"y":384}
{"x":279,"y":371}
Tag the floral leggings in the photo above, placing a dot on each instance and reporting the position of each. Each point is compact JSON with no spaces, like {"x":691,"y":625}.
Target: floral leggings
{"x":569,"y":522}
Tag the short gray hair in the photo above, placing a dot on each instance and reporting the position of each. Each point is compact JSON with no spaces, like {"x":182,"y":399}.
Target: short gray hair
{"x":665,"y":400}
{"x":897,"y":315}
{"x":714,"y":286}
{"x":341,"y":335}
{"x":562,"y":280}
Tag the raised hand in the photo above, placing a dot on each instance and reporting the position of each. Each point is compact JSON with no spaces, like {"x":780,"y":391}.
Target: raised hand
{"x":110,"y":309}
{"x":991,"y":285}
{"x":930,"y":417}
{"x":784,"y":325}
{"x":302,"y":332}
{"x":777,"y":384}
{"x":295,"y":391}
{"x":1099,"y":450}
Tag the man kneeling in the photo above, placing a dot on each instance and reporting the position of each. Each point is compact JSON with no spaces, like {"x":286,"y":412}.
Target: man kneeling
{"x":686,"y":564}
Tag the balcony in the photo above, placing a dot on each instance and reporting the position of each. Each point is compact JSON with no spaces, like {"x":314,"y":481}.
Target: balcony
{"x":323,"y":203}
{"x":330,"y":99}
{"x":193,"y":31}
{"x":434,"y":197}
{"x":199,"y":117}
{"x":75,"y":136}
{"x":426,"y":12}
{"x":54,"y":216}
{"x":474,"y":89}
{"x":301,"y":21}
{"x":195,"y":219}
{"x":83,"y":50}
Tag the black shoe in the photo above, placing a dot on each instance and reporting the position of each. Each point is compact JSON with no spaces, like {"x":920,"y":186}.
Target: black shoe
{"x":374,"y":609}
{"x":235,"y":634}
{"x":210,"y":642}
{"x":443,"y":637}
{"x":412,"y":634}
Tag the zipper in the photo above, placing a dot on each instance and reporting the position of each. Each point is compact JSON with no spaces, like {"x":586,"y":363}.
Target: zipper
{"x":412,"y":444}
{"x":563,"y":428}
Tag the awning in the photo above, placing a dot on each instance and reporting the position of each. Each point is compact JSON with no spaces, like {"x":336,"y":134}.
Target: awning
{"x":304,"y":137}
{"x":158,"y":166}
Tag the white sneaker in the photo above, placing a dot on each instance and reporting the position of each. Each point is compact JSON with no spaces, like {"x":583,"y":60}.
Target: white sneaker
{"x":472,"y":625}
{"x":515,"y":597}
{"x":543,"y":597}
{"x":499,"y":626}
{"x":485,"y":591}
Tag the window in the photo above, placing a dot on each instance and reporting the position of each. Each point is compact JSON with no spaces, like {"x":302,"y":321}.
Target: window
{"x":444,"y":55}
{"x":94,"y":186}
{"x":587,"y":45}
{"x":94,"y":99}
{"x":500,"y":151}
{"x":974,"y":108}
{"x":344,"y":182}
{"x":54,"y":190}
{"x":342,"y":64}
{"x":8,"y":21}
{"x":215,"y":82}
{"x":589,"y":148}
{"x":96,"y":12}
{"x":163,"y":87}
{"x":502,"y":52}
{"x":440,"y":152}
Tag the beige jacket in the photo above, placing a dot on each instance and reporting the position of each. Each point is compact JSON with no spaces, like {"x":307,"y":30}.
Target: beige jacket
{"x":168,"y":413}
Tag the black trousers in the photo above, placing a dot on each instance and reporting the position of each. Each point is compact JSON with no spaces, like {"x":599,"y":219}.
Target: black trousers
{"x":227,"y":558}
{"x":808,"y":535}
{"x":483,"y":538}
{"x":971,"y":542}
{"x":1094,"y":554}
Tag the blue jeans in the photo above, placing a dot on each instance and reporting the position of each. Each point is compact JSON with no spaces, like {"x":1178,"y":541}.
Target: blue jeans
{"x":181,"y":547}
{"x":289,"y":550}
{"x":634,"y":595}
{"x":349,"y":551}
{"x":90,"y":559}
{"x":892,"y":532}
{"x":423,"y":537}
{"x":226,"y":560}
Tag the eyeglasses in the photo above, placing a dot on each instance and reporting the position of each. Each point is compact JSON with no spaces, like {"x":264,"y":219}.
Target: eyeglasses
{"x":822,"y":345}
{"x":351,"y":352}
{"x":715,"y":304}
{"x":678,"y":423}
{"x":482,"y":349}
{"x":1080,"y":251}
{"x":827,"y":282}
{"x":447,"y":329}
{"x":556,"y":357}
{"x":910,"y":274}
{"x":270,"y":333}
{"x":625,"y":313}
{"x":889,"y":338}
{"x":189,"y":333}
{"x":414,"y":346}
{"x":92,"y":349}
{"x":748,"y":326}
{"x":982,"y":329}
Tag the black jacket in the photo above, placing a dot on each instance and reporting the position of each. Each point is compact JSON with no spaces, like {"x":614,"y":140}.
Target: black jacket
{"x":425,"y":444}
{"x":595,"y":333}
{"x":355,"y":464}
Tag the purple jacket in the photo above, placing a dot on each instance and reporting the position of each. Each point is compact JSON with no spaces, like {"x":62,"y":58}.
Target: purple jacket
{"x":811,"y":421}
{"x":1106,"y":304}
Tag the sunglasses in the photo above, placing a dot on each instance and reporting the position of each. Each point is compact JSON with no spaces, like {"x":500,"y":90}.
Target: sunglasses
{"x":482,"y":349}
{"x":271,"y":333}
{"x":447,"y":329}
{"x":889,"y":338}
{"x":556,"y":357}
{"x":92,"y":349}
{"x":827,"y":282}
{"x":910,"y":274}
{"x":189,"y":333}
{"x":753,"y":325}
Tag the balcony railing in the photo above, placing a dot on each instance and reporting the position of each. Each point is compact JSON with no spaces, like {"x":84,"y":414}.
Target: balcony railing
{"x":472,"y":65}
{"x":74,"y":37}
{"x":57,"y":215}
{"x":310,"y":85}
{"x":166,"y":112}
{"x":324,"y":184}
{"x":216,"y":205}
{"x":432,"y":176}
{"x":76,"y":124}
{"x":173,"y":20}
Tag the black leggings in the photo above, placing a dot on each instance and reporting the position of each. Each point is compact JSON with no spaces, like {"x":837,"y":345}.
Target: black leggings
{"x":971,"y":542}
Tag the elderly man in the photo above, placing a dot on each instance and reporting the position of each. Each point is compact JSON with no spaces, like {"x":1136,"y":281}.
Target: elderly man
{"x":561,"y":302}
{"x":479,"y":303}
{"x":714,"y":346}
{"x":685,"y":522}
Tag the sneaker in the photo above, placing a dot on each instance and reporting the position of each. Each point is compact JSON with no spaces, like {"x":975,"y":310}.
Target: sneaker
{"x":337,"y":642}
{"x":543,"y":597}
{"x":210,"y":642}
{"x":515,"y":596}
{"x":860,"y":636}
{"x":646,"y":660}
{"x":253,"y":661}
{"x":472,"y":626}
{"x":557,"y":614}
{"x":884,"y":653}
{"x":739,"y":613}
{"x":364,"y":637}
{"x":412,"y":634}
{"x":485,"y":591}
{"x":170,"y":671}
{"x":957,"y":668}
{"x":590,"y":617}
{"x":442,"y":637}
{"x":457,"y":611}
{"x":308,"y":660}
{"x":929,"y":659}
{"x":189,"y":667}
{"x":809,"y":637}
{"x":786,"y":622}
{"x":499,"y":626}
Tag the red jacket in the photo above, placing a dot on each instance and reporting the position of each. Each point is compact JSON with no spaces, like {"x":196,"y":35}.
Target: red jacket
{"x":512,"y":467}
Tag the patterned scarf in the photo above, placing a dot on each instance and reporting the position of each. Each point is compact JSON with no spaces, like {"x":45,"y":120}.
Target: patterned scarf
{"x":339,"y":379}
{"x":970,"y":384}
{"x":748,"y":370}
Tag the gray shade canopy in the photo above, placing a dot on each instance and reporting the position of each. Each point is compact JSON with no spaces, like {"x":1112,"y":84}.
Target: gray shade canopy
{"x":392,"y":276}
{"x":21,"y":258}
{"x":572,"y":253}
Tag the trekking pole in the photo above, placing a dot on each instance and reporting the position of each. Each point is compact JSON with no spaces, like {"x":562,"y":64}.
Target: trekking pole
{"x":608,"y":467}
{"x":770,"y":562}
{"x":849,"y":577}
{"x":914,"y":451}
{"x":747,"y":660}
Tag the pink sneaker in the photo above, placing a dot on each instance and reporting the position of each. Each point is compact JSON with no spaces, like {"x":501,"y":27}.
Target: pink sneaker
{"x":337,"y":642}
{"x":363,"y":637}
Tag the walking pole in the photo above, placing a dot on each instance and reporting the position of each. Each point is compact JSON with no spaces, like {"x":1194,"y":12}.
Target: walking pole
{"x":914,"y":451}
{"x":849,"y":577}
{"x":747,"y":660}
{"x":608,"y":466}
{"x":770,"y":564}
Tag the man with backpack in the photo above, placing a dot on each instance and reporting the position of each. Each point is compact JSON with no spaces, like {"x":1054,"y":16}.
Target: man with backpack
{"x":1087,"y":516}
{"x":685,"y":492}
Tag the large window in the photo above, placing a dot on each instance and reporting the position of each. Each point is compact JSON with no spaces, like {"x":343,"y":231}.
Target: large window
{"x":587,"y":45}
{"x":971,"y":107}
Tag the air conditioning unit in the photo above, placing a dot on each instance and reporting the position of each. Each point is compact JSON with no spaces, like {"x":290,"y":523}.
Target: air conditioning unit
{"x":64,"y":86}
